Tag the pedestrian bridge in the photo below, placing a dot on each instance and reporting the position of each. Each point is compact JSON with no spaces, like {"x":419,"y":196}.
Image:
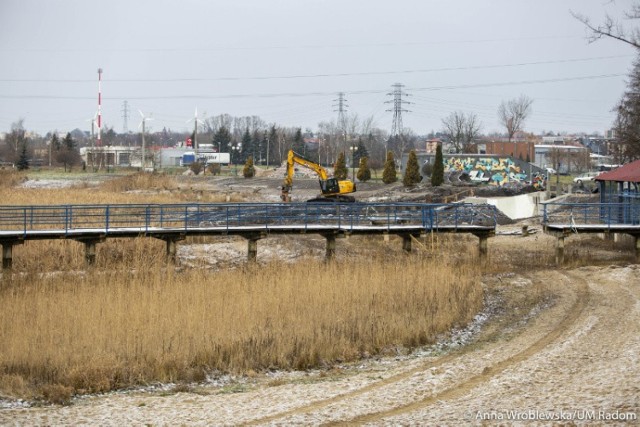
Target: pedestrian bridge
{"x":563,"y":220}
{"x":92,"y":224}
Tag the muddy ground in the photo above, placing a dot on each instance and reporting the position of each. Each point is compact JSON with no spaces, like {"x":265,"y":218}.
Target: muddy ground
{"x":552,"y":346}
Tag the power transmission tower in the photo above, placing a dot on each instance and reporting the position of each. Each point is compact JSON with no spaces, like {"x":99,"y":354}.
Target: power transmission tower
{"x":125,"y":116}
{"x":342,"y":120}
{"x":342,"y":109}
{"x":396,"y":128}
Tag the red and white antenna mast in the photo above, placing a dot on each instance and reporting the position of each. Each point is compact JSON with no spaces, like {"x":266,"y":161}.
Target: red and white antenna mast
{"x":99,"y":106}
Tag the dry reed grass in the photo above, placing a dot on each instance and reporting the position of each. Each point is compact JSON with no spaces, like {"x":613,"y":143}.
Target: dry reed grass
{"x":130,"y":320}
{"x":10,"y":178}
{"x":135,"y":188}
{"x":107,"y":329}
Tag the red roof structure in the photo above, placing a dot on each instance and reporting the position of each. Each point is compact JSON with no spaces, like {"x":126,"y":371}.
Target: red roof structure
{"x":627,"y":173}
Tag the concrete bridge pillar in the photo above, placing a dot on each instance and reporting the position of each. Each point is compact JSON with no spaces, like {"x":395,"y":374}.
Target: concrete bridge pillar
{"x":252,"y":245}
{"x":406,"y":243}
{"x":90,"y":251}
{"x":7,"y":253}
{"x":331,"y":246}
{"x":483,"y":246}
{"x":172,"y":246}
{"x":172,"y":249}
{"x":636,"y":240}
{"x":559,"y":250}
{"x":252,"y":253}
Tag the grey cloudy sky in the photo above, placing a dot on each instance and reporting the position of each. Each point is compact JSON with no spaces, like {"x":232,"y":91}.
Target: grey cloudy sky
{"x":285,"y":61}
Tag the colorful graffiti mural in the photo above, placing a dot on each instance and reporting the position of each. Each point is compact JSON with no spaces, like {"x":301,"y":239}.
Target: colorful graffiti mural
{"x":494,"y":170}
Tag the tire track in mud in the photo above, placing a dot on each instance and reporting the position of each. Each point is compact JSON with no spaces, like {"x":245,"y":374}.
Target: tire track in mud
{"x":574,"y":312}
{"x":459,"y":390}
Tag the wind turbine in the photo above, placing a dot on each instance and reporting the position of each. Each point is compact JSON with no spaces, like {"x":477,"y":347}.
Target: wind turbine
{"x":93,"y":141}
{"x":142,"y":124}
{"x":195,"y":131}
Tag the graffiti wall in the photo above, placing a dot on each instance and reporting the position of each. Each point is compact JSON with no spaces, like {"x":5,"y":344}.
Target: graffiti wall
{"x":493,"y":170}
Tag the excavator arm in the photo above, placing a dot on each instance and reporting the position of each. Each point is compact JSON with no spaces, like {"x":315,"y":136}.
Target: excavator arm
{"x":330,"y":187}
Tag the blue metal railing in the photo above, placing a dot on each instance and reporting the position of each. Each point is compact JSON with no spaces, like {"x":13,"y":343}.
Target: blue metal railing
{"x":197,"y":216}
{"x":607,"y":214}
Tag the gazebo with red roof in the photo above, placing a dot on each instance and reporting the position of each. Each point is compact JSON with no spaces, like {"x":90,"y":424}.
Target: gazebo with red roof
{"x":622,"y":185}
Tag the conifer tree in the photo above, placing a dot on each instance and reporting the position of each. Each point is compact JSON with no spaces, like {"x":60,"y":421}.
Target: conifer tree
{"x":340,"y":170}
{"x":361,"y":151}
{"x":298,"y":143}
{"x":247,"y":146}
{"x":249,"y":171}
{"x":364,"y":173}
{"x":389,"y":172}
{"x":437,"y":174}
{"x":412,"y":171}
{"x":222,"y":140}
{"x":55,"y":142}
{"x":23,"y":159}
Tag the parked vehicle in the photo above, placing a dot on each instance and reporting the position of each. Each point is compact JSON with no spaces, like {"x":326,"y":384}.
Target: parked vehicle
{"x":586,"y":177}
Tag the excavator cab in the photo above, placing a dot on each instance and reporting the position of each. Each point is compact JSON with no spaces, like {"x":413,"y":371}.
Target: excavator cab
{"x":329,"y":186}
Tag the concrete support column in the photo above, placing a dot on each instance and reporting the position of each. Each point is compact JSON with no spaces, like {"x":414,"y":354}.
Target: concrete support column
{"x":252,"y":249}
{"x":406,"y":243}
{"x":636,"y":240}
{"x":171,"y":250}
{"x":331,"y":246}
{"x":559,"y":250}
{"x":483,"y":246}
{"x":7,"y":255}
{"x":252,"y":245}
{"x":90,"y":251}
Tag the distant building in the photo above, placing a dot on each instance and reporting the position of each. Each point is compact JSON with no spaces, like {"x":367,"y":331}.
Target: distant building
{"x":431,"y":145}
{"x":563,"y":158}
{"x":110,"y":156}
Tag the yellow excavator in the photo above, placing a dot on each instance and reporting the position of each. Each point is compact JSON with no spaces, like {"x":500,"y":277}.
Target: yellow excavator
{"x":333,"y":190}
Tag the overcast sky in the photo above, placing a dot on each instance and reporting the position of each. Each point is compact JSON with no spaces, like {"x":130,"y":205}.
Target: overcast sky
{"x":286,"y":60}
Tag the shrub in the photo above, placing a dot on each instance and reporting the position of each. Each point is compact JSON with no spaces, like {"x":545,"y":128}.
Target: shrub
{"x":249,"y":171}
{"x":437,"y":176}
{"x":412,"y":173}
{"x":364,"y":173}
{"x":340,"y":170}
{"x":196,"y":168}
{"x":389,"y":172}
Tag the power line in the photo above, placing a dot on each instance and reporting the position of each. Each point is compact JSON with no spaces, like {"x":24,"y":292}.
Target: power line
{"x":311,"y":46}
{"x":303,"y":94}
{"x":305,"y":76}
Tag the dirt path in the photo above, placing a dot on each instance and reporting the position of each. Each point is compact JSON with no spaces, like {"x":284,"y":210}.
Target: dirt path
{"x":576,"y":359}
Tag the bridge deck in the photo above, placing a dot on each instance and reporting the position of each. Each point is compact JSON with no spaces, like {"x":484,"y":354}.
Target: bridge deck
{"x":163,"y":232}
{"x":253,"y":221}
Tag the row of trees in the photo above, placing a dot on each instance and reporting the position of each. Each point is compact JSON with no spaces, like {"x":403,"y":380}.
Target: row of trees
{"x":464,"y":128}
{"x":20,"y":150}
{"x":627,"y":123}
{"x":411,"y":176}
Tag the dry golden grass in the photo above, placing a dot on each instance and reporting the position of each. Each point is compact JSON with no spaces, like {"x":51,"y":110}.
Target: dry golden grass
{"x":10,"y":178}
{"x":107,"y":329}
{"x":132,"y":319}
{"x":135,"y":188}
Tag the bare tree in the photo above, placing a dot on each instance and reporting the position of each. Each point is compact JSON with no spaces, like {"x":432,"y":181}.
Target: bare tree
{"x":613,"y":28}
{"x":513,"y":113}
{"x":472,"y":130}
{"x":454,"y":127}
{"x":462,"y":129}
